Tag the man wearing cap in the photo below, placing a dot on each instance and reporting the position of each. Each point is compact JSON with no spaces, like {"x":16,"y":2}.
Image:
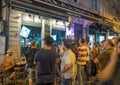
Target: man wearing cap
{"x":46,"y":60}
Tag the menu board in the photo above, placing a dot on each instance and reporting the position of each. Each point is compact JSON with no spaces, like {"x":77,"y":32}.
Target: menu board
{"x":2,"y":45}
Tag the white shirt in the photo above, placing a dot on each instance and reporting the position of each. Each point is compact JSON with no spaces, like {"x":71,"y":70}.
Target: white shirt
{"x":68,"y":58}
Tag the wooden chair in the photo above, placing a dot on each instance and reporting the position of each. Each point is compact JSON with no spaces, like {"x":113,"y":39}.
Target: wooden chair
{"x":4,"y":74}
{"x":20,"y":75}
{"x":1,"y":77}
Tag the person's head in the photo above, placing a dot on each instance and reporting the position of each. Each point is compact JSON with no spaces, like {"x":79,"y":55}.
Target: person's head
{"x":48,"y":41}
{"x":108,"y":44}
{"x":82,"y":41}
{"x":33,"y":44}
{"x":66,"y":44}
{"x":74,"y":47}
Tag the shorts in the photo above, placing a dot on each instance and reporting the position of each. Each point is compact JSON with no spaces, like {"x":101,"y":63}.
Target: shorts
{"x":31,"y":72}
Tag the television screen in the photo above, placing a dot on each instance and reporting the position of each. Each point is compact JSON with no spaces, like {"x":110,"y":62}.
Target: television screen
{"x":54,"y":37}
{"x":25,"y":32}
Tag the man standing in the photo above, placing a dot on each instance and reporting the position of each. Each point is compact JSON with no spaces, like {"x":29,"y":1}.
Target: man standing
{"x":67,"y":63}
{"x":112,"y":70}
{"x":30,"y":62}
{"x":46,"y":60}
{"x":83,"y":53}
{"x":105,"y":56}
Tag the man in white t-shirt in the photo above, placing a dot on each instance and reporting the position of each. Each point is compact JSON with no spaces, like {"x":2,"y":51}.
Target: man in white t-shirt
{"x":67,"y":63}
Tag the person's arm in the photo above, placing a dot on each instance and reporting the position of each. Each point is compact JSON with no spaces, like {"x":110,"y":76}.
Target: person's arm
{"x":96,"y":60}
{"x":100,"y":58}
{"x":67,"y":67}
{"x":68,"y":64}
{"x":36,"y":59}
{"x":109,"y":70}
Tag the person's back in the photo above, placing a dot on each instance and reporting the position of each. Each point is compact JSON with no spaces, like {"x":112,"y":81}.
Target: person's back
{"x":83,"y":54}
{"x":46,"y":60}
{"x":30,"y":62}
{"x":30,"y":57}
{"x":46,"y":65}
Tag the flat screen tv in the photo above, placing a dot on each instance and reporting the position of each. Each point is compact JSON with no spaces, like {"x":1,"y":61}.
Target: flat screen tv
{"x":54,"y":37}
{"x":25,"y":32}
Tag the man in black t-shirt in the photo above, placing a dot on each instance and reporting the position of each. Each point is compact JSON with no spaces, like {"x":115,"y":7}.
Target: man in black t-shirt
{"x":30,"y":62}
{"x":46,"y":60}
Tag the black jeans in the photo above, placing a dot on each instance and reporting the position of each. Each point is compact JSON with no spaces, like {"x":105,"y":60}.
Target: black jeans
{"x":93,"y":68}
{"x":38,"y":83}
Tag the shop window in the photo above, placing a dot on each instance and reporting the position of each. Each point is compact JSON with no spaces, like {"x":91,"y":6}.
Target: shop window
{"x":58,"y":35}
{"x":91,"y":40}
{"x":102,"y":38}
{"x":34,"y":34}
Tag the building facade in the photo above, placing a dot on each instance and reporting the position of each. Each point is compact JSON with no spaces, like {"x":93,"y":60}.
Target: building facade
{"x":67,"y":18}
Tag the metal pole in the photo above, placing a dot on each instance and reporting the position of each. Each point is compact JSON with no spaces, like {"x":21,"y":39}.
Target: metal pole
{"x":8,"y":2}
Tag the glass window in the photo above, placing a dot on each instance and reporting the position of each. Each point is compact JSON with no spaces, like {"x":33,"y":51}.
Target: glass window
{"x":94,"y":4}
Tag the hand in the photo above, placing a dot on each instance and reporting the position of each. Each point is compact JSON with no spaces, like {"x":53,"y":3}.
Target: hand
{"x":96,"y":60}
{"x":62,"y":75}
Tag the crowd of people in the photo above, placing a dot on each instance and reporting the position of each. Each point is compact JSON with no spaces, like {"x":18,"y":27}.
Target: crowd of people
{"x":70,"y":62}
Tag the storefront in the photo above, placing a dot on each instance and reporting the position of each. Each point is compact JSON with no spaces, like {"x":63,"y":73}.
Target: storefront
{"x":35,"y":27}
{"x":49,"y":13}
{"x":97,"y":33}
{"x":28,"y":23}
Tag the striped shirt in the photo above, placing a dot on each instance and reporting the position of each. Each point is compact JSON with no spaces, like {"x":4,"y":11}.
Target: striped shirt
{"x":83,"y":52}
